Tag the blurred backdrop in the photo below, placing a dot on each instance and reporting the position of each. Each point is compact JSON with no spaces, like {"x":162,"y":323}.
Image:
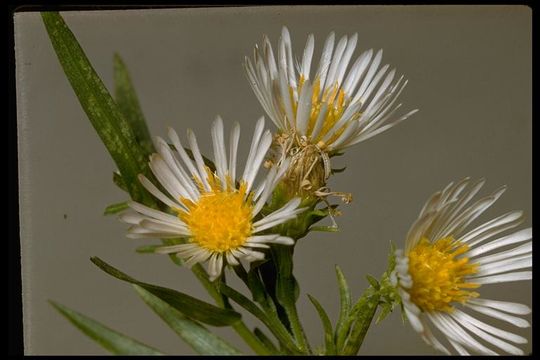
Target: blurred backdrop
{"x":469,"y":71}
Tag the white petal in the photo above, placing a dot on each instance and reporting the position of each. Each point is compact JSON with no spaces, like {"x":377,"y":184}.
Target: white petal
{"x":304,"y":108}
{"x":454,"y":226}
{"x":131,"y":218}
{"x":357,"y":70}
{"x":259,"y":128}
{"x":287,"y":212}
{"x":492,"y":228}
{"x":308,"y":55}
{"x":494,"y":279}
{"x":489,"y":338}
{"x":165,"y":176}
{"x":176,"y":248}
{"x":165,"y":228}
{"x":491,"y":329}
{"x":508,"y":254}
{"x":233,"y":150}
{"x":198,"y":158}
{"x":369,"y":76}
{"x":520,"y":262}
{"x":460,"y":335}
{"x":413,"y":319}
{"x":254,"y":167}
{"x":509,"y":307}
{"x":231,"y":260}
{"x":332,"y":71}
{"x":517,"y":321}
{"x":173,"y":136}
{"x":220,"y":154}
{"x":286,"y":98}
{"x":431,"y":340}
{"x":517,"y":237}
{"x":324,"y":63}
{"x":198,"y":256}
{"x":319,"y":122}
{"x":351,"y":45}
{"x":187,"y":187}
{"x":460,"y":349}
{"x":146,"y":235}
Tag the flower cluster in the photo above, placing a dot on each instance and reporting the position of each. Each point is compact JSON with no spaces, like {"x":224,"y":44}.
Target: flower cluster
{"x":221,"y":216}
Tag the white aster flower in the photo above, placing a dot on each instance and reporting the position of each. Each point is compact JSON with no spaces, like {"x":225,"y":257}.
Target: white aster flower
{"x":442,"y":264}
{"x":216,"y":211}
{"x":333,"y":108}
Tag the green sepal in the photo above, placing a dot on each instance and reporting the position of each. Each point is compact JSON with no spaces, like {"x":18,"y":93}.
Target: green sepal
{"x":373,"y":282}
{"x":338,"y":170}
{"x":115,"y":208}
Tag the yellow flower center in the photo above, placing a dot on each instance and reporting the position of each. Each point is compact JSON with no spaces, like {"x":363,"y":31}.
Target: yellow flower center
{"x":221,"y":218}
{"x":438,"y":275}
{"x":336,"y":100}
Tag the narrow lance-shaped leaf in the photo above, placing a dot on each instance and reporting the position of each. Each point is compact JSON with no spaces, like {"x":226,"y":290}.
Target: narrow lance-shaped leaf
{"x":111,"y":340}
{"x":265,"y":340}
{"x":128,"y":103}
{"x":327,"y":326}
{"x":113,"y":129}
{"x":273,"y":324}
{"x":188,"y":305}
{"x":345,"y":306}
{"x":362,"y":315}
{"x":196,"y":335}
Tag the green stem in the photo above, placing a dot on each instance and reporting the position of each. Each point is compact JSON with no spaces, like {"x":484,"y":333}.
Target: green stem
{"x":253,"y":341}
{"x":272,"y":323}
{"x":240,"y":327}
{"x":296,"y":327}
{"x":287,"y":294}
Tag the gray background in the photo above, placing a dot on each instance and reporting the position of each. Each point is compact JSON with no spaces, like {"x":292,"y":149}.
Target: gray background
{"x":470,"y":76}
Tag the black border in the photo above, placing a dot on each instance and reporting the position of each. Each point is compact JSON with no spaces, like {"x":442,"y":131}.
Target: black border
{"x":15,"y":330}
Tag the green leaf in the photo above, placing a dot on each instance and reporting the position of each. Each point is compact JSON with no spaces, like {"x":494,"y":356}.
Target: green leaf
{"x":111,"y":340}
{"x":128,"y":103}
{"x":207,"y":162}
{"x":271,"y":322}
{"x":361,"y":316}
{"x":196,"y":335}
{"x":373,"y":282}
{"x":106,"y":118}
{"x":345,"y":306}
{"x":115,"y":208}
{"x":327,"y":325}
{"x":188,"y":305}
{"x":255,"y":285}
{"x":265,"y":340}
